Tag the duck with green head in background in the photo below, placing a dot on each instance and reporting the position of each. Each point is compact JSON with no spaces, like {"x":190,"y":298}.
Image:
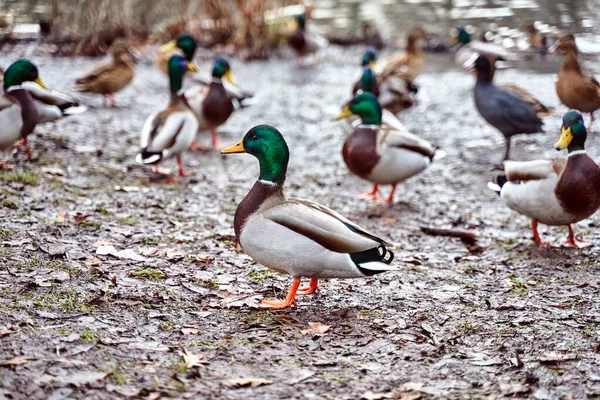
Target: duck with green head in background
{"x":18,"y":112}
{"x":170,"y":132}
{"x":555,"y":192}
{"x":185,"y":45}
{"x":368,"y":80}
{"x":28,"y":101}
{"x":295,"y":236}
{"x":380,"y":154}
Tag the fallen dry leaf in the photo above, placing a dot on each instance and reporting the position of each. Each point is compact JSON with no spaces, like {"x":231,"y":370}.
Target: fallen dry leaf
{"x":192,"y":360}
{"x":127,"y":189}
{"x":18,"y":360}
{"x":411,"y":386}
{"x":190,"y":331}
{"x":93,"y":262}
{"x":252,"y":382}
{"x":100,"y":243}
{"x":127,"y":254}
{"x":174,"y":254}
{"x":53,"y":171}
{"x":316,"y":328}
{"x":61,"y":217}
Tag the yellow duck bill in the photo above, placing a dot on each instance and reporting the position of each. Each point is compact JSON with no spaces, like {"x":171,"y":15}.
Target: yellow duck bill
{"x":344,"y":114}
{"x":566,"y":136}
{"x":236,"y":148}
{"x":41,"y":83}
{"x":229,"y":77}
{"x":172,"y":45}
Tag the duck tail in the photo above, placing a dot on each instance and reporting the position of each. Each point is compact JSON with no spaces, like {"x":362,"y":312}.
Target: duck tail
{"x":147,"y":157}
{"x":373,"y":261}
{"x":498,"y":183}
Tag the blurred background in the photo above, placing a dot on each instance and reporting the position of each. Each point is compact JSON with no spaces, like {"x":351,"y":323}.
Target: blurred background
{"x":87,"y":26}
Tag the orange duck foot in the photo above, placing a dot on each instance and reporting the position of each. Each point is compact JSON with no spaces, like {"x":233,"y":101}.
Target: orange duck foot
{"x":182,"y":172}
{"x":372,"y":194}
{"x":537,"y":239}
{"x":387,"y":200}
{"x":573,"y":242}
{"x":160,"y":171}
{"x":198,"y":147}
{"x":281,"y":304}
{"x":312,"y":287}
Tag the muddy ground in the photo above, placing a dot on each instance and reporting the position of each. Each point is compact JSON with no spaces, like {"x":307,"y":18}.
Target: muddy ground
{"x":171,"y":311}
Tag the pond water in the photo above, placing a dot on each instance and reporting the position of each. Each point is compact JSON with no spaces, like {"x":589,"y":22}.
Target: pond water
{"x":395,"y":17}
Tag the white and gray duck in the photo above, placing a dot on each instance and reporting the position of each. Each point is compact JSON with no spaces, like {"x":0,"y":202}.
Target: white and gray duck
{"x":295,"y":236}
{"x":382,"y":154}
{"x":555,"y":192}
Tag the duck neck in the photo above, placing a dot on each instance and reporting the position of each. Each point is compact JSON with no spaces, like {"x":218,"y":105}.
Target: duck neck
{"x":371,"y":118}
{"x":368,"y":80}
{"x":571,"y":60}
{"x":272,"y":170}
{"x":411,"y":46}
{"x":260,"y":193}
{"x":485,"y":77}
{"x":29,"y":113}
{"x":577,"y":146}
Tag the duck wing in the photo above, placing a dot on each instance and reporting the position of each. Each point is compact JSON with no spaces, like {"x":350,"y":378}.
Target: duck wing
{"x":323,"y":225}
{"x":533,"y":170}
{"x":507,"y":112}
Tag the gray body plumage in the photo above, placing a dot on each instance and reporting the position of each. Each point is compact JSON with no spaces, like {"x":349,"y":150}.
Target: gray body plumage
{"x":506,"y":112}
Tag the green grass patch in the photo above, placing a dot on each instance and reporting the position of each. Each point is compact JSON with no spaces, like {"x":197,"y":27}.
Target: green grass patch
{"x":26,"y":178}
{"x":89,"y":335}
{"x":150,"y":274}
{"x":131,"y":220}
{"x":10,"y":203}
{"x":66,"y":301}
{"x":5,"y":234}
{"x":207,"y":283}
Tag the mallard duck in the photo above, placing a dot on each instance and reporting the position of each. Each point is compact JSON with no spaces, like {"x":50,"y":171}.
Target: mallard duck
{"x":303,"y":41}
{"x":574,"y":88}
{"x":110,"y":78}
{"x":466,"y":48}
{"x":411,"y":63}
{"x":18,"y":111}
{"x":368,"y":80}
{"x":212,"y":104}
{"x":381,"y":156}
{"x":500,"y":108}
{"x":541,"y":110}
{"x":295,"y":236}
{"x":393,"y":92}
{"x":184,"y":45}
{"x":555,"y":192}
{"x":52,"y":104}
{"x":169,"y":132}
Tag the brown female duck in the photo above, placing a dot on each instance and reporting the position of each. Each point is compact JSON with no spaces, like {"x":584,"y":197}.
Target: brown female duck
{"x":411,"y":63}
{"x":575,"y":89}
{"x":110,"y":78}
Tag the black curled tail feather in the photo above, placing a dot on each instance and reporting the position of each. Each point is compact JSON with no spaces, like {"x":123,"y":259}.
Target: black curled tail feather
{"x":500,"y":180}
{"x":149,"y":157}
{"x":376,"y":254}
